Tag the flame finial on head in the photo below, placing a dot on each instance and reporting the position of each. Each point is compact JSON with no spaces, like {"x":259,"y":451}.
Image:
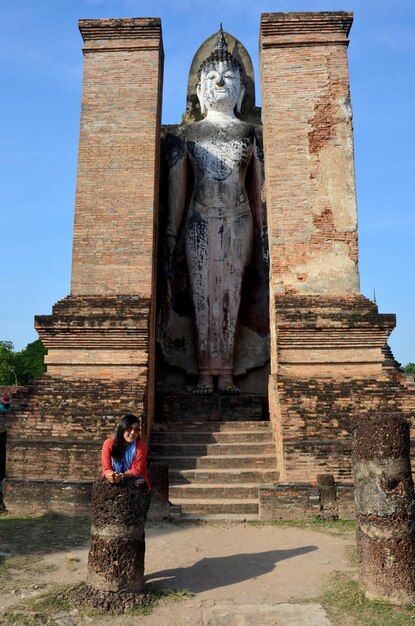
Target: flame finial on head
{"x":221,"y":42}
{"x":220,"y":53}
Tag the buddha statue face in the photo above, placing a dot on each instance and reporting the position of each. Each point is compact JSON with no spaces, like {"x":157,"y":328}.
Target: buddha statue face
{"x":220,"y":88}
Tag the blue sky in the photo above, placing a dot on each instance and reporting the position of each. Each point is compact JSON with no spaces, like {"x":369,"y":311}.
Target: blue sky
{"x":41,"y":66}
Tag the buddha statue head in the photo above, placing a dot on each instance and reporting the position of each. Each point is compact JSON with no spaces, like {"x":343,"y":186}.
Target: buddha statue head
{"x":220,"y":86}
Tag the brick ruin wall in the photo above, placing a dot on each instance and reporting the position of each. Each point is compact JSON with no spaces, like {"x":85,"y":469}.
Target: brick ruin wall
{"x":327,"y":345}
{"x":55,"y":435}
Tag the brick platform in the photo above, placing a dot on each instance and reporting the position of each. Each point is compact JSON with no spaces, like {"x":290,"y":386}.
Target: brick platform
{"x":331,"y":366}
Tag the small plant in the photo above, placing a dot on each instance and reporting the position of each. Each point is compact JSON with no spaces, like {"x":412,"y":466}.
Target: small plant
{"x":71,"y":558}
{"x":179,"y":595}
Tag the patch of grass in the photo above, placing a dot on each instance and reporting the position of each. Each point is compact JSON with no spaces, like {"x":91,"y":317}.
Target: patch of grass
{"x":178,"y":595}
{"x":157,"y":596}
{"x":42,"y":534}
{"x":18,"y":570}
{"x":315,"y":523}
{"x":53,"y":601}
{"x":22,"y":619}
{"x":38,"y":611}
{"x":351,"y":554}
{"x":346,"y":603}
{"x":335,"y":527}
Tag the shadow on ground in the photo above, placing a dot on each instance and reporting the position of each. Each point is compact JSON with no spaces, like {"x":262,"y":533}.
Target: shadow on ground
{"x":54,"y":532}
{"x":42,"y":534}
{"x":211,"y":573}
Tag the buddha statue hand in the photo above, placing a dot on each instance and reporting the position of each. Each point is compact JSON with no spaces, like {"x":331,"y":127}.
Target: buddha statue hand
{"x":169,"y":249}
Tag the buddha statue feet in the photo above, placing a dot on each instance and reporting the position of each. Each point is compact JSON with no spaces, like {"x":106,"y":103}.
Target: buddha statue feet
{"x":227,"y":388}
{"x":204,"y":387}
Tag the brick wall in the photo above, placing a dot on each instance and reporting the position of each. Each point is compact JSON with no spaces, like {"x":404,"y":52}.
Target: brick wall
{"x":56,"y":429}
{"x":298,"y":501}
{"x":59,"y":496}
{"x":116,"y":206}
{"x":329,"y":337}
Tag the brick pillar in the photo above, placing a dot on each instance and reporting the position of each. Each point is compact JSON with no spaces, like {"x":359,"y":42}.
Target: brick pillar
{"x":118,"y":164}
{"x":309,"y":163}
{"x":106,"y":328}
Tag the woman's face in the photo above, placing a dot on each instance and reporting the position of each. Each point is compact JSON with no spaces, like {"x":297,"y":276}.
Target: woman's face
{"x":131,"y":433}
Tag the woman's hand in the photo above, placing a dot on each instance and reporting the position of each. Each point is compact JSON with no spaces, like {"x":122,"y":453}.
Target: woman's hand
{"x":114,"y":477}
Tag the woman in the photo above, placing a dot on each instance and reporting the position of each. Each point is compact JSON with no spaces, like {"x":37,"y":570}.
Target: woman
{"x":125,"y":455}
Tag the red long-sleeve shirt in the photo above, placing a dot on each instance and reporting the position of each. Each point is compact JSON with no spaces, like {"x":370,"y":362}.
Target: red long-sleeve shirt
{"x":138,"y":466}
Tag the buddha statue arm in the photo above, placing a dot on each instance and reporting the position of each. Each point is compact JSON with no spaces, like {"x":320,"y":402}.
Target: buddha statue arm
{"x":177,"y":189}
{"x":256,"y":195}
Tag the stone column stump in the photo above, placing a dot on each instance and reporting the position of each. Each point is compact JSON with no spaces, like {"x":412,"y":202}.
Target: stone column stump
{"x":384,"y":496}
{"x":115,"y":578}
{"x":159,"y":480}
{"x":329,"y":509}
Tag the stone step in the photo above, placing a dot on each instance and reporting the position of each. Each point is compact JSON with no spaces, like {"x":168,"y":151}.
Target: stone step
{"x":215,"y":466}
{"x":221,"y":491}
{"x":214,"y":517}
{"x":206,"y":437}
{"x":256,"y":476}
{"x":212,"y":449}
{"x":258,"y":461}
{"x":231,"y":416}
{"x":217,"y":506}
{"x":207,"y":426}
{"x":187,"y":406}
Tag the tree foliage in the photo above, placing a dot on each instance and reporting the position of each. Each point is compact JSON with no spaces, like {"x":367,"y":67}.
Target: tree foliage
{"x":409,"y":368}
{"x":20,"y":368}
{"x":8,"y":374}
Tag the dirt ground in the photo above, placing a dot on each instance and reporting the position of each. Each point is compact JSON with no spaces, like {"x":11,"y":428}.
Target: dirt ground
{"x":213,"y":567}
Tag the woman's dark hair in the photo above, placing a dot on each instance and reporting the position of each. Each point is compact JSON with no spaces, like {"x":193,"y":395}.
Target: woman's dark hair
{"x":118,"y":445}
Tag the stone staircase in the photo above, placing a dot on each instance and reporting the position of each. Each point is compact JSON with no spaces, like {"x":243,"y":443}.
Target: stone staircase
{"x":215,"y":468}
